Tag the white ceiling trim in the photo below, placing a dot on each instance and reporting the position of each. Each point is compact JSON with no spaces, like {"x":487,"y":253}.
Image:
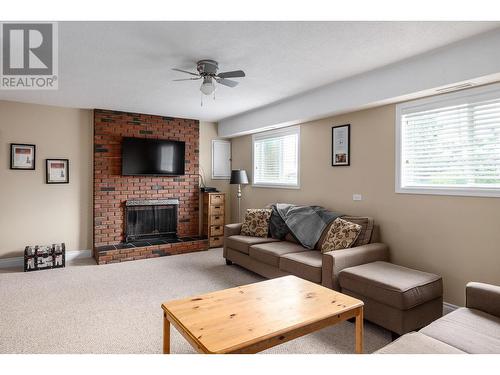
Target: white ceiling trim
{"x":474,"y":59}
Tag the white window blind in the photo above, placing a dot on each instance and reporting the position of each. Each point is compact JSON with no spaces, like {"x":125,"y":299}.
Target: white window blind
{"x":276,"y":158}
{"x":450,"y":144}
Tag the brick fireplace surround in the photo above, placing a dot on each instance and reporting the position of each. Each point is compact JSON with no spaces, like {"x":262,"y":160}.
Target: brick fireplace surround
{"x":112,"y":190}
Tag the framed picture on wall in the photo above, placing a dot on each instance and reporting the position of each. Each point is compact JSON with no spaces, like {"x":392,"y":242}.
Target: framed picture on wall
{"x":57,"y":171}
{"x":341,"y":145}
{"x":22,"y":156}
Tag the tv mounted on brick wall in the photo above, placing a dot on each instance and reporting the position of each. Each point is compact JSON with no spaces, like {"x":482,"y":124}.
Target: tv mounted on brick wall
{"x":152,"y":157}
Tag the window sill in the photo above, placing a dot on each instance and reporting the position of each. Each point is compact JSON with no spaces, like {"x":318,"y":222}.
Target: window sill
{"x":271,"y":186}
{"x":478,"y":192}
{"x":221,"y":177}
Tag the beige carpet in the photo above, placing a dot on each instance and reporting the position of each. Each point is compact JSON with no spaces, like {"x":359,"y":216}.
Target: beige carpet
{"x":115,"y":308}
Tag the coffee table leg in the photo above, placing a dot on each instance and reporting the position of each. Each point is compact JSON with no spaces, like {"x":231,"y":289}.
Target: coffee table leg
{"x":166,"y":334}
{"x":359,"y":331}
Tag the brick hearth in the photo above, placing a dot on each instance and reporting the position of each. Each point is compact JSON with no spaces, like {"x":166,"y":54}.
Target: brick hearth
{"x":125,"y":252}
{"x":111,"y":189}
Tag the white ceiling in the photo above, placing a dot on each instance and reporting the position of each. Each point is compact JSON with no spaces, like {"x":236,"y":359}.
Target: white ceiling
{"x":127,"y":65}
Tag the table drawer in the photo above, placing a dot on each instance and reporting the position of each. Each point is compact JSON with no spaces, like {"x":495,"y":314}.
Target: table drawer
{"x":217,"y":210}
{"x":217,"y":220}
{"x":215,"y":241}
{"x":216,"y":199}
{"x":216,"y":230}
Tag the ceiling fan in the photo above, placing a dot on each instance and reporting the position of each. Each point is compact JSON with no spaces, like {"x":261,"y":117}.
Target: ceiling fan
{"x":207,"y":71}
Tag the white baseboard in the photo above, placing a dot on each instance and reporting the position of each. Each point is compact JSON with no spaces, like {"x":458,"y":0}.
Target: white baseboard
{"x":78,"y":254}
{"x":11,"y":262}
{"x":19,"y":261}
{"x":449,"y":307}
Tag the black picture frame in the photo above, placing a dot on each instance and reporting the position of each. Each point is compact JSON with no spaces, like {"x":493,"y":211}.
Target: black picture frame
{"x":341,"y":159}
{"x":48,"y":179}
{"x":13,"y":147}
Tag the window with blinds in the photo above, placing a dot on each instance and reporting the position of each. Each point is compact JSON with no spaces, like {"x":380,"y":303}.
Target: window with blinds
{"x":450,"y":144}
{"x":276,"y":158}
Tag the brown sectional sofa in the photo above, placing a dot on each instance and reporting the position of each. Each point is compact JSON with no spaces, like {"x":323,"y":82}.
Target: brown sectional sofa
{"x":274,"y":258}
{"x":471,"y":329}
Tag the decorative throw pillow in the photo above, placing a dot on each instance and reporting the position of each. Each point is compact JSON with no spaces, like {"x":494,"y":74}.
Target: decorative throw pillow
{"x":341,"y":235}
{"x":256,"y":222}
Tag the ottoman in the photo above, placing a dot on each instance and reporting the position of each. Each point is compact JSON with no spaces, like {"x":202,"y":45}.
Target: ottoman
{"x":397,"y":298}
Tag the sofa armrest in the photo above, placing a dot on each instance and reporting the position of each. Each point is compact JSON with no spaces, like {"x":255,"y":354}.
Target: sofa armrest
{"x":484,"y":297}
{"x":335,"y":261}
{"x":232,"y":229}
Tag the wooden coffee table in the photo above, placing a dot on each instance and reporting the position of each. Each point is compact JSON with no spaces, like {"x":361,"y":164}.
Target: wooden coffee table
{"x":255,"y":317}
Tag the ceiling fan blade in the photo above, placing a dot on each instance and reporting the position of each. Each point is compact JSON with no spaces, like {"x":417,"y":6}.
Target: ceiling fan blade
{"x":226,"y":82}
{"x":187,"y":79}
{"x":185,"y":71}
{"x":233,"y":74}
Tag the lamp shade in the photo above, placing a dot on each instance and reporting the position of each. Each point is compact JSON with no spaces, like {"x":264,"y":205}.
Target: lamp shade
{"x":239,"y":176}
{"x":208,"y":86}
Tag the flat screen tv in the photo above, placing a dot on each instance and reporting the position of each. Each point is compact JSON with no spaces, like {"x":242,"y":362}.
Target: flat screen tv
{"x":152,"y":157}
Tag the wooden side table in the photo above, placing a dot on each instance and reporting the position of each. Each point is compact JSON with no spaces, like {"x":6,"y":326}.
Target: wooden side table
{"x":214,"y":207}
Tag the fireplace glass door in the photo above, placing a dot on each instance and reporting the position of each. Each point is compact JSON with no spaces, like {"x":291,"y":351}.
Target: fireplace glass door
{"x":151,"y":221}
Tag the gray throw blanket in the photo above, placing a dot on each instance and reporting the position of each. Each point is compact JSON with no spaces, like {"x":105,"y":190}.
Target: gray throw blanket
{"x":306,"y":223}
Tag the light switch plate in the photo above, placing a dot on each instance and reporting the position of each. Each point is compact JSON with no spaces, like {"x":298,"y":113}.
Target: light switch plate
{"x":357,"y":197}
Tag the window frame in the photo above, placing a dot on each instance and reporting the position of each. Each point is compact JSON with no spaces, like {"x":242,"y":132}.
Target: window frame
{"x":271,"y":134}
{"x":434,"y":102}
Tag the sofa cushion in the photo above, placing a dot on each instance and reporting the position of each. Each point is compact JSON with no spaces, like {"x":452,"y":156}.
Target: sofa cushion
{"x":418,"y":343}
{"x":470,"y":330}
{"x":270,"y":253}
{"x":277,"y":227}
{"x":396,"y":286}
{"x":364,"y":237}
{"x":366,"y":223}
{"x":305,"y":264}
{"x":341,"y":235}
{"x":290,"y":238}
{"x":242,"y":243}
{"x":256,"y":222}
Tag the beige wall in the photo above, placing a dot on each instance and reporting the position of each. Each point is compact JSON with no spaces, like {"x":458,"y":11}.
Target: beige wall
{"x":33,"y":212}
{"x":456,"y":237}
{"x":208,"y":132}
{"x":36,"y":213}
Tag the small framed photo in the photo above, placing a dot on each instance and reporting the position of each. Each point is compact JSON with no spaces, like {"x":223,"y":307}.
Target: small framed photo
{"x":57,"y":171}
{"x":341,"y":145}
{"x":22,"y":156}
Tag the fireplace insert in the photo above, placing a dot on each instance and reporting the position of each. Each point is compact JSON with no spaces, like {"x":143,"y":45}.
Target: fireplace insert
{"x":146,"y":219}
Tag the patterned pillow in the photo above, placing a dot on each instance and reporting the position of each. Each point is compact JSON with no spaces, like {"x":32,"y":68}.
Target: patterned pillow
{"x":341,"y":235}
{"x":256,"y":222}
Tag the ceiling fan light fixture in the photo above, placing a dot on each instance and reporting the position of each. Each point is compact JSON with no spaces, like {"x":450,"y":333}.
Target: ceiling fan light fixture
{"x":208,"y":86}
{"x":208,"y":72}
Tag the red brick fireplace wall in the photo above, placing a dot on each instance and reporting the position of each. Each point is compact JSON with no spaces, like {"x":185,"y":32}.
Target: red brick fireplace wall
{"x":111,"y":189}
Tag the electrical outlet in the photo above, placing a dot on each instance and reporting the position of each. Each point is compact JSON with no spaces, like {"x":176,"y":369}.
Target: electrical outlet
{"x":357,"y":197}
